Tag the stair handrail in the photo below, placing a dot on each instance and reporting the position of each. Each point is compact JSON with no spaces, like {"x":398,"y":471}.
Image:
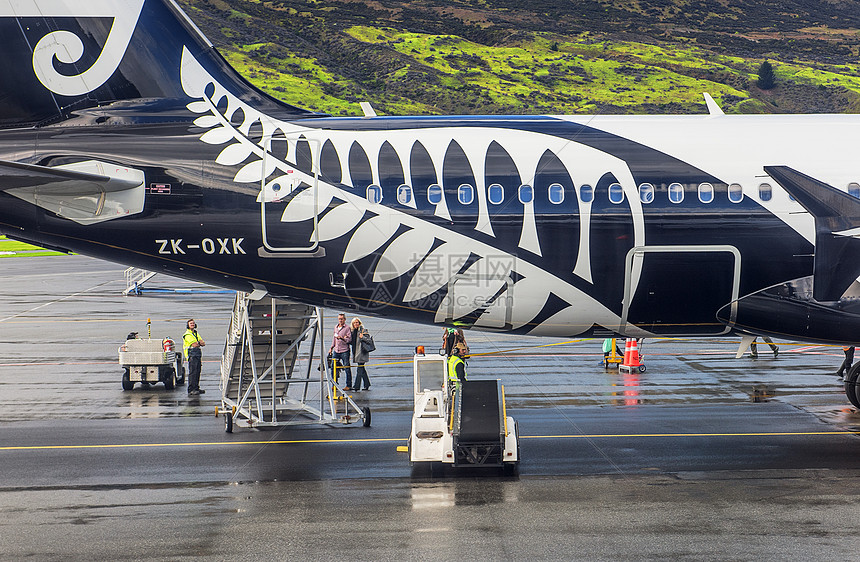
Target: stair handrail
{"x":234,"y":335}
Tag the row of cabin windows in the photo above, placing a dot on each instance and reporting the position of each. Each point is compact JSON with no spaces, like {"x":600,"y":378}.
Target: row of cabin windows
{"x":466,"y":194}
{"x":555,"y":193}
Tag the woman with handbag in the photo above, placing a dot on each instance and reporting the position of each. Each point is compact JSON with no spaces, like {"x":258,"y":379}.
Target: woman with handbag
{"x":362,"y":345}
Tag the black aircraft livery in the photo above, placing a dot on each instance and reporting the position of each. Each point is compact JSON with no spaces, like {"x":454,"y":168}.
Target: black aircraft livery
{"x":126,"y":136}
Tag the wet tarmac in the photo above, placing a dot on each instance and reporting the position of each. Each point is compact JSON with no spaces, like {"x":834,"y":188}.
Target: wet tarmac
{"x":702,"y":457}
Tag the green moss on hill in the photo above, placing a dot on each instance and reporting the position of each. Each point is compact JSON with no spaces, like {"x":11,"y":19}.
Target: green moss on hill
{"x":499,"y":56}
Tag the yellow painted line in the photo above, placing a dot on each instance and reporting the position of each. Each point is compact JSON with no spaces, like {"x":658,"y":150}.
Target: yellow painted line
{"x":751,"y":434}
{"x":397,"y":439}
{"x":201,"y":444}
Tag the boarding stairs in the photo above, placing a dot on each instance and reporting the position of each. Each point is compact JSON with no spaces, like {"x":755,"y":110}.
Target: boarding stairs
{"x":273,"y":371}
{"x":134,"y":280}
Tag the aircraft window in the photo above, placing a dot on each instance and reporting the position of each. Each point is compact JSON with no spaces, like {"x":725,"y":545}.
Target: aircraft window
{"x":736,"y":193}
{"x":586,"y":193}
{"x":676,"y":192}
{"x":854,"y":189}
{"x":765,"y":192}
{"x":434,"y":194}
{"x":616,"y":193}
{"x":276,"y":187}
{"x":556,"y":193}
{"x":496,"y":193}
{"x":374,"y":193}
{"x":706,"y":192}
{"x":404,"y":194}
{"x":646,"y":193}
{"x":526,"y":194}
{"x":465,"y":194}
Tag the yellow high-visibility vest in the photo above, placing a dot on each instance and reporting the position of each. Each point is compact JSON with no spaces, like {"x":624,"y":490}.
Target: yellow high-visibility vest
{"x":188,"y":338}
{"x":453,"y":361}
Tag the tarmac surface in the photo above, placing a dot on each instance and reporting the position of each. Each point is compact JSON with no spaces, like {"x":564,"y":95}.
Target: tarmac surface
{"x":702,"y":457}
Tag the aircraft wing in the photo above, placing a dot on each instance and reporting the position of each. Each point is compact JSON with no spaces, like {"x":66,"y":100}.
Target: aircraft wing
{"x":85,"y":192}
{"x":837,"y":214}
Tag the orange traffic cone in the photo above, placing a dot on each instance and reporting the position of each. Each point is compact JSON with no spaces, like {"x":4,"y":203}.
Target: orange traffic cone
{"x":626,"y":351}
{"x":634,"y":354}
{"x":631,"y":356}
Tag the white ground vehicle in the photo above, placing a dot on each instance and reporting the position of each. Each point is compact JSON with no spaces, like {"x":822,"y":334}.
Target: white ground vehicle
{"x":149,"y":361}
{"x":466,"y":428}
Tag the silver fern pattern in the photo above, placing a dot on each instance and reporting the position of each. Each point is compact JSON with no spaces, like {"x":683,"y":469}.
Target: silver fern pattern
{"x":484,"y":289}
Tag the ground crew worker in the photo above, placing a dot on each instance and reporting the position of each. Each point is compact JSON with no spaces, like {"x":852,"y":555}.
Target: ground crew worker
{"x":848,"y":350}
{"x":768,"y":341}
{"x":457,"y":367}
{"x":191,"y":344}
{"x":607,"y":349}
{"x":451,"y":337}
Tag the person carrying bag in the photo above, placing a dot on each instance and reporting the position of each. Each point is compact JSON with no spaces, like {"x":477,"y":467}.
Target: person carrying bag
{"x":362,"y":345}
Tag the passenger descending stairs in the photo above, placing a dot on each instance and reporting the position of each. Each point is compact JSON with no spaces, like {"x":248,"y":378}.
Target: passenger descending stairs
{"x":272,"y":370}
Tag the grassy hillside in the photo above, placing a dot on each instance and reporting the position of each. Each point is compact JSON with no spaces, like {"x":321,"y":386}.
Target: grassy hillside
{"x":497,"y":56}
{"x":13,"y":248}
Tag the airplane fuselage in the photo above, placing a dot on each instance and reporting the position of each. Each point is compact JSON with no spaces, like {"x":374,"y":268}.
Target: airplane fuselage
{"x":700,"y":247}
{"x":159,"y":156}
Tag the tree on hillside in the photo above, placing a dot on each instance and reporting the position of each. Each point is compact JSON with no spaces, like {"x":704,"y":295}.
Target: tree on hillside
{"x":766,"y":78}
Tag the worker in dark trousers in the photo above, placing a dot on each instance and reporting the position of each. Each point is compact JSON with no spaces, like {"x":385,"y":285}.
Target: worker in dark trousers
{"x":452,"y":337}
{"x":768,"y":341}
{"x":457,"y":366}
{"x":449,"y":338}
{"x":848,"y":350}
{"x":191,"y":344}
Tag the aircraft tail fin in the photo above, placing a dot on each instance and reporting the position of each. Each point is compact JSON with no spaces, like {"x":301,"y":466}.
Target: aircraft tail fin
{"x":63,"y":56}
{"x":837,"y":230}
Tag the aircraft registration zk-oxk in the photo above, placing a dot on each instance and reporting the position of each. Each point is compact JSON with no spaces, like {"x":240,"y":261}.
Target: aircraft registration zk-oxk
{"x":126,"y":136}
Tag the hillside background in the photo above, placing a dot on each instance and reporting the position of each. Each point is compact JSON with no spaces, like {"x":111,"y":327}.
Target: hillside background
{"x":542,"y":56}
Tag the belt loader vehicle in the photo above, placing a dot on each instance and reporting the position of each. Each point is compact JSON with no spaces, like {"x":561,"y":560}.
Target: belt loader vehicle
{"x":465,"y":427}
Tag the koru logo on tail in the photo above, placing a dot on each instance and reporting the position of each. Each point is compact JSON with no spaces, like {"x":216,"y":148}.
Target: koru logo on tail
{"x":67,"y":47}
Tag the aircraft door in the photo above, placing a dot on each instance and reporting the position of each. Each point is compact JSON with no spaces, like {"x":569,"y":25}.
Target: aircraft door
{"x":295,"y":234}
{"x":677,"y":290}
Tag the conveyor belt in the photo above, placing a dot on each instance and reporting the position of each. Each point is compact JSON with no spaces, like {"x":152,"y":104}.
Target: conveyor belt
{"x":480,"y":412}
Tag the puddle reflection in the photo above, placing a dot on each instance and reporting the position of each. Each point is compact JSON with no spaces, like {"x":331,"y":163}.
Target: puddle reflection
{"x":629,"y":396}
{"x":151,"y":402}
{"x":471,"y":492}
